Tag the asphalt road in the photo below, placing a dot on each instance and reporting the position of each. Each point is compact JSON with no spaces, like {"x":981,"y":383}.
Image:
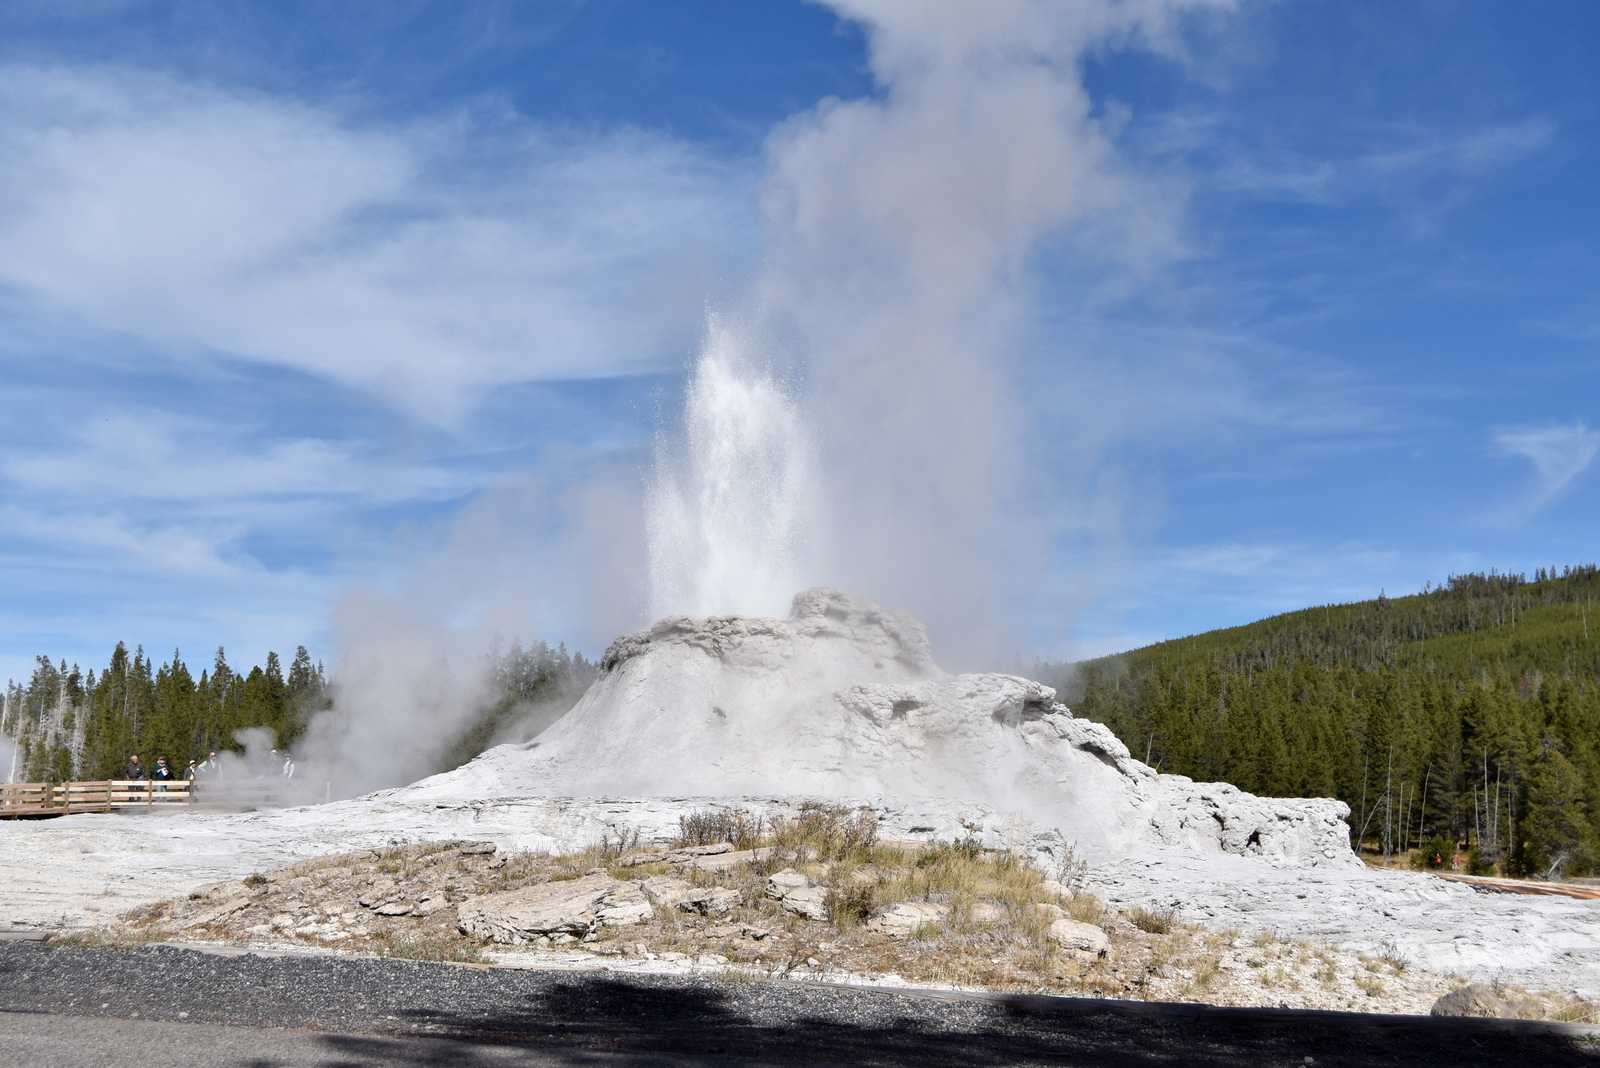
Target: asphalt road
{"x":85,"y":1006}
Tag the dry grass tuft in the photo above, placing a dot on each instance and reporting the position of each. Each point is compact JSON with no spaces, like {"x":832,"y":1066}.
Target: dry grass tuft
{"x":744,"y":829}
{"x":451,"y":950}
{"x":827,"y":832}
{"x":1153,"y":921}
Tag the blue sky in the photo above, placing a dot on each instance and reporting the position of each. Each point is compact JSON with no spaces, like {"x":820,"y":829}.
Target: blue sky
{"x":298,"y":300}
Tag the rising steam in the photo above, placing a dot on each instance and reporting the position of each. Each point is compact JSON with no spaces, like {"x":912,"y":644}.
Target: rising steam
{"x":900,"y":229}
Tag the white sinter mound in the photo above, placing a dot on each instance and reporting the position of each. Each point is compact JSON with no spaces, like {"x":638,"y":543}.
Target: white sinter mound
{"x":843,"y":699}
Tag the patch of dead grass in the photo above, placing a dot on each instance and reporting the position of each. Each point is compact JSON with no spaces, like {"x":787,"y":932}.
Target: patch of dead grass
{"x":994,"y":934}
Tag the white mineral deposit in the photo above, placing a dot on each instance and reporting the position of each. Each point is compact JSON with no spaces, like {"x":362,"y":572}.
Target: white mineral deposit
{"x":843,"y":698}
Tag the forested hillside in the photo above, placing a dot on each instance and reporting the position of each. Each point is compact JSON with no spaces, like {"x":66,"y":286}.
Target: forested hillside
{"x":1469,"y":711}
{"x":68,"y":725}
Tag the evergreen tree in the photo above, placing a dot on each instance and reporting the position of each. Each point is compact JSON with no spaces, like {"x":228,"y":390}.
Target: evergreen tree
{"x":1556,"y":834}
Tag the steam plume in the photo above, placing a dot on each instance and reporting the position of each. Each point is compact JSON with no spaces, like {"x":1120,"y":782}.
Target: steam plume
{"x":899,"y":232}
{"x":853,"y":420}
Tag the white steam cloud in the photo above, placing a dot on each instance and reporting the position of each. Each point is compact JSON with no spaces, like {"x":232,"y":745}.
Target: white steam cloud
{"x":900,"y":228}
{"x":409,"y":673}
{"x":853,"y":420}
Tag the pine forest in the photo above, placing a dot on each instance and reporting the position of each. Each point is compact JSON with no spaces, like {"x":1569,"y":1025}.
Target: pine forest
{"x":71,"y":726}
{"x":1463,"y":718}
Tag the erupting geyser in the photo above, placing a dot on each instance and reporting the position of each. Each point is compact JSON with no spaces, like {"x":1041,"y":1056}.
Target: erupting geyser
{"x":843,"y":699}
{"x":732,"y":502}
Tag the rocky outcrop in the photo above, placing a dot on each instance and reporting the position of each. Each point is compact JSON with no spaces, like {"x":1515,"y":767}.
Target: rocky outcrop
{"x":793,"y":890}
{"x":818,"y":614}
{"x":810,"y":902}
{"x":671,"y":892}
{"x":905,"y":918}
{"x":573,"y":908}
{"x":781,"y":884}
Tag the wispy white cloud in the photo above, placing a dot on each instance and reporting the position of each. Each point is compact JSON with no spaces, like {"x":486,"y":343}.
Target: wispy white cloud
{"x":1559,"y":454}
{"x":174,"y":551}
{"x":1474,"y":151}
{"x":426,"y":262}
{"x":155,"y":456}
{"x":176,"y":529}
{"x":1188,"y":589}
{"x":203,"y":288}
{"x":1372,"y":163}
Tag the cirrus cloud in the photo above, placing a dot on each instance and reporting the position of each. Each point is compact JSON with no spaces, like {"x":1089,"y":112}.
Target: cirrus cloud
{"x":1559,"y":454}
{"x":427,"y":262}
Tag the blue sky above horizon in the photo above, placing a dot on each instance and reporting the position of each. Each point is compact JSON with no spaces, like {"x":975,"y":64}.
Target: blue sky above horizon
{"x":298,"y":299}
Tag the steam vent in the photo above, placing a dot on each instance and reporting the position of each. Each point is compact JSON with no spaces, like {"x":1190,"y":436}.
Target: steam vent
{"x":843,"y":699}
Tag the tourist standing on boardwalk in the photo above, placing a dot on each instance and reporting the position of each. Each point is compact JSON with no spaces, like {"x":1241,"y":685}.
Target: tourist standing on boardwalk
{"x":135,"y":770}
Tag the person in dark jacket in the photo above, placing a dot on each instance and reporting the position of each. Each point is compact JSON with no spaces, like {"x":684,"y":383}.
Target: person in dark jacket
{"x":135,"y":771}
{"x":161,"y":773}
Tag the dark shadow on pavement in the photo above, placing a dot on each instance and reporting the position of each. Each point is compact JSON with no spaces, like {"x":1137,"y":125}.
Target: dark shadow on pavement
{"x":364,"y":1011}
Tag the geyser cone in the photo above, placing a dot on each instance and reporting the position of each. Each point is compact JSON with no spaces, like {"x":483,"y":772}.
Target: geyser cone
{"x":843,"y":699}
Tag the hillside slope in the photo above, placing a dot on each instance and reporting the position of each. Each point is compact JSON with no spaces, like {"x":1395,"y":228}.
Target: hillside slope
{"x":1469,"y":712}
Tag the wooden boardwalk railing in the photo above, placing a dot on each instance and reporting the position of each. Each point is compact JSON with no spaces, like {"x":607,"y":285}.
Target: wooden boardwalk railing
{"x":42,"y":799}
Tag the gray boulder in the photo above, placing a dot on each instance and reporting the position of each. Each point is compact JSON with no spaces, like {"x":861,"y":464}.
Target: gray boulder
{"x":810,"y":902}
{"x":1474,"y":999}
{"x":669,"y":891}
{"x":903,"y":918}
{"x":1083,"y":939}
{"x":782,"y":884}
{"x":573,"y":907}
